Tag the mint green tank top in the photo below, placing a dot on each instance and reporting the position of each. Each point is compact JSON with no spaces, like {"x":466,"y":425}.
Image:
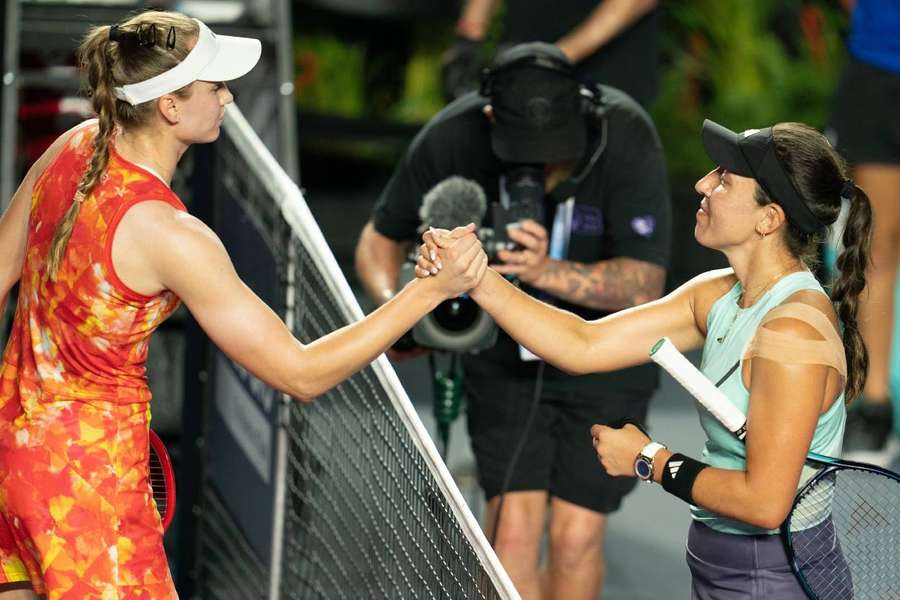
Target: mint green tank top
{"x":735,"y":327}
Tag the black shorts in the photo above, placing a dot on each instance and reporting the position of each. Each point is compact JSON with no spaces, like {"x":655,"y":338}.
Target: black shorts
{"x":865,"y":122}
{"x":558,"y":455}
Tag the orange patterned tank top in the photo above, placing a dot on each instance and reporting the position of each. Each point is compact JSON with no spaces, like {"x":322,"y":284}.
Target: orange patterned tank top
{"x":76,"y":513}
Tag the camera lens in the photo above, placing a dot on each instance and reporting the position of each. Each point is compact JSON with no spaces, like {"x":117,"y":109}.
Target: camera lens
{"x":456,"y":314}
{"x":525,"y":185}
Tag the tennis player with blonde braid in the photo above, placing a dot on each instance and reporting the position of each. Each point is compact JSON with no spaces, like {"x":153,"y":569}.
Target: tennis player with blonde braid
{"x":790,"y":356}
{"x":103,"y":251}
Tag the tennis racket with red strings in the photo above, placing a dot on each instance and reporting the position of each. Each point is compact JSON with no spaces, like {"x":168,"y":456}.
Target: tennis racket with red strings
{"x":162,"y":480}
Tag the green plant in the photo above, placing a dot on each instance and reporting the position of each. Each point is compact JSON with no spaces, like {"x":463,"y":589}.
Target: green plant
{"x":422,"y":96}
{"x":329,"y":75}
{"x":744,"y":64}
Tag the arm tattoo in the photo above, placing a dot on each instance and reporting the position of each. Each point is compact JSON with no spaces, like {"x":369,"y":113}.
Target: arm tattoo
{"x":611,"y":284}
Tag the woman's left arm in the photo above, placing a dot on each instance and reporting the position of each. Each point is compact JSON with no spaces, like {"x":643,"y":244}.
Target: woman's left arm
{"x":785,"y":403}
{"x":13,"y":231}
{"x":14,"y":223}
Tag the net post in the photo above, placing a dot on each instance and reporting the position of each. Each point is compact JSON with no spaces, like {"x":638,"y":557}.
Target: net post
{"x":281,"y":442}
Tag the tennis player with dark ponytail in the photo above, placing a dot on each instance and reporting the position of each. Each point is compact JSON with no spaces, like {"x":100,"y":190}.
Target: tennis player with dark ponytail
{"x":787,"y":355}
{"x":103,"y":251}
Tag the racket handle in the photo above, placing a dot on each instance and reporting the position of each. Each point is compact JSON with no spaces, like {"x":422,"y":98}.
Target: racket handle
{"x":665,"y":354}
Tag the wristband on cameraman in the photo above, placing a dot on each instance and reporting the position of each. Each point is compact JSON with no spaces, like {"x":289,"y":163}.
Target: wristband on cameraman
{"x":679,"y":474}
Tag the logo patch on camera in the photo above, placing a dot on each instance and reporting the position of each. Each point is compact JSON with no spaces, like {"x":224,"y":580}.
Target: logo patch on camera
{"x":644,"y":225}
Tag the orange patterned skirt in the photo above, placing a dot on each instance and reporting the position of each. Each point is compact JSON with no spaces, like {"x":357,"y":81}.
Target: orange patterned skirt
{"x":77,"y":518}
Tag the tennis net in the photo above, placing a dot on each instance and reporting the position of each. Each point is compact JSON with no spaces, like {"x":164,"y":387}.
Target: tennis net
{"x":345,"y":497}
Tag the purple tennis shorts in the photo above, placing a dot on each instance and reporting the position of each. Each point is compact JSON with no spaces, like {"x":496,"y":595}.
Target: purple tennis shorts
{"x":726,"y":566}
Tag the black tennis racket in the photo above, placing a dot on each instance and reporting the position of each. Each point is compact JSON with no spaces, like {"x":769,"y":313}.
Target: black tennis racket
{"x":842,"y":535}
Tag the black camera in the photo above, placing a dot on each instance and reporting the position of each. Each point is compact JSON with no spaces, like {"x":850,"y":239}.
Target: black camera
{"x":459,"y":324}
{"x":521,"y":197}
{"x":456,"y":325}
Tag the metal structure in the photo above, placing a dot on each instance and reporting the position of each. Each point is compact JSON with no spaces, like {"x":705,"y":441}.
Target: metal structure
{"x":51,"y":30}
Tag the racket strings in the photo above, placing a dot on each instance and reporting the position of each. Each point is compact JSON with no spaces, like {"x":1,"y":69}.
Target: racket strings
{"x":158,"y":483}
{"x":845,"y":536}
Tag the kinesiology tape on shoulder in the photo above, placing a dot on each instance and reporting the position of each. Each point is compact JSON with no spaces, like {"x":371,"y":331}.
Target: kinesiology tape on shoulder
{"x":679,"y":474}
{"x":788,"y":348}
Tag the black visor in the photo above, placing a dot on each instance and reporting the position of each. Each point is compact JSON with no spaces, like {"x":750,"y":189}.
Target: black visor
{"x":752,"y":154}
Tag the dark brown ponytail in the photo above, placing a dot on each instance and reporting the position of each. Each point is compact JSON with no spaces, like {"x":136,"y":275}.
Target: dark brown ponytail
{"x":851,"y":281}
{"x":820,"y":176}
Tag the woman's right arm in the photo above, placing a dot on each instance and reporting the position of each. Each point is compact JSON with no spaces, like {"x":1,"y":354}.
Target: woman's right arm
{"x":190,"y":260}
{"x":567,"y":341}
{"x":572,"y":344}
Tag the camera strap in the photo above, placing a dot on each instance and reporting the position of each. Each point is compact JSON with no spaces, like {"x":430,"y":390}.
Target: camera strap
{"x":560,"y":232}
{"x":567,"y":188}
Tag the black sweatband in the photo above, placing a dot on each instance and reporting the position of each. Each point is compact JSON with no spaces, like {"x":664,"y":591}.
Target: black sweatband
{"x":679,"y":474}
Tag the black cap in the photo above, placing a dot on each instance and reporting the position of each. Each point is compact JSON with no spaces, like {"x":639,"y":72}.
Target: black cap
{"x":752,"y":154}
{"x":537,"y":105}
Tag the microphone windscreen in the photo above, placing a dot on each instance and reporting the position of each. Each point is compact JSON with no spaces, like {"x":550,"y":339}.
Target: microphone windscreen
{"x":454,"y":202}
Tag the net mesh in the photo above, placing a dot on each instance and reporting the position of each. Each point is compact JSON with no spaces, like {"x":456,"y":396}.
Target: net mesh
{"x":368,"y":509}
{"x":229,"y":567}
{"x":845,"y":535}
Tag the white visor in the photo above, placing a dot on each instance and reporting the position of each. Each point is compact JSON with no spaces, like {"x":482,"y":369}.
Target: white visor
{"x":213,"y":58}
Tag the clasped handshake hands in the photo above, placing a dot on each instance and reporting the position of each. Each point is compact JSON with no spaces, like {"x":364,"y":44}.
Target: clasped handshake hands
{"x":457,"y":257}
{"x":440,"y":246}
{"x":454,"y":257}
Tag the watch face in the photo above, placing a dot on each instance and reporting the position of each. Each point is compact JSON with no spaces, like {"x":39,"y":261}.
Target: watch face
{"x":642,"y":468}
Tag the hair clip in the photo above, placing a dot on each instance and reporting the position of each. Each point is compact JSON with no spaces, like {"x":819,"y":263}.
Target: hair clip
{"x":147,"y":35}
{"x":848,"y":191}
{"x":170,"y":38}
{"x":117,"y":34}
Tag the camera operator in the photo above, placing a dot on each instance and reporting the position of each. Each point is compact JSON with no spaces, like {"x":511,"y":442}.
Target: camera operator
{"x":598,"y":242}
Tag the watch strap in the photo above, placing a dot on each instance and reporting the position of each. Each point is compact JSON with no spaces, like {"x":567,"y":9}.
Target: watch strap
{"x":649,"y":451}
{"x":647,"y":454}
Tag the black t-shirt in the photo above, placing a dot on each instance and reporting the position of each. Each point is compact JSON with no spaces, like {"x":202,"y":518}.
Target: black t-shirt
{"x":621,"y":208}
{"x":629,"y":62}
